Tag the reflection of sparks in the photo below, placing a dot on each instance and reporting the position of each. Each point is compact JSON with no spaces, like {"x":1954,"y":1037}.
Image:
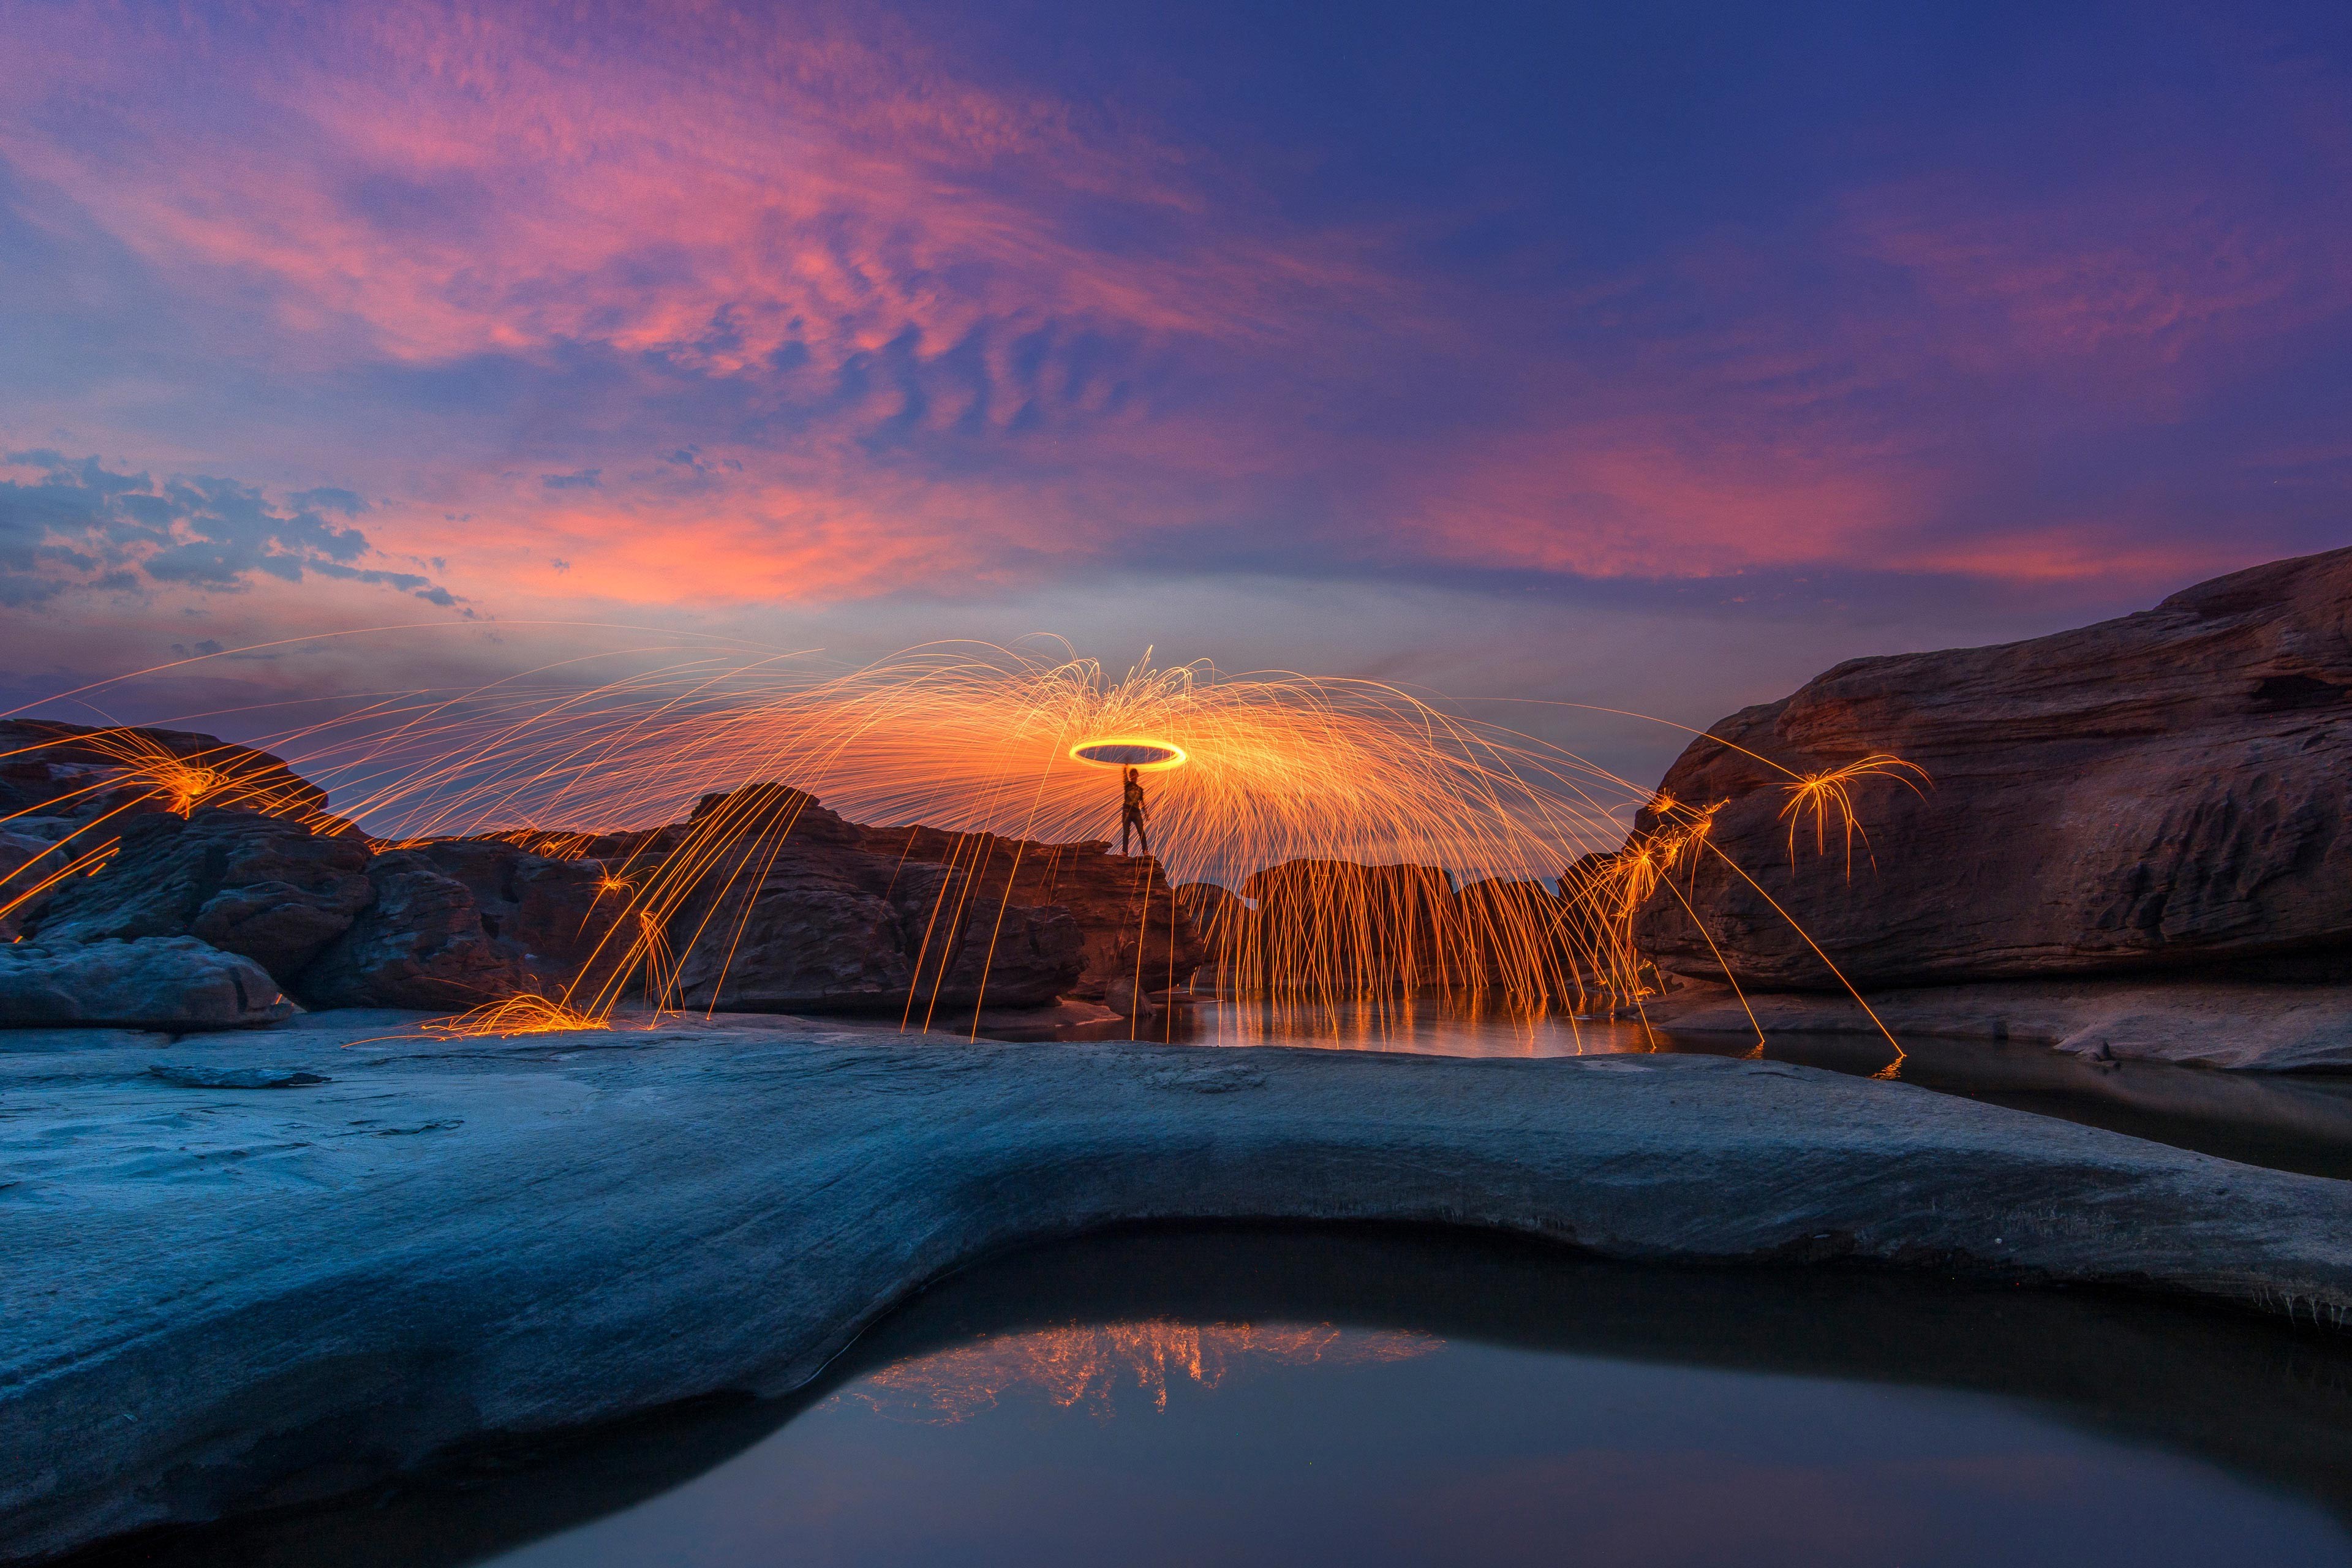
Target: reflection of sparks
{"x":1083,"y":1367}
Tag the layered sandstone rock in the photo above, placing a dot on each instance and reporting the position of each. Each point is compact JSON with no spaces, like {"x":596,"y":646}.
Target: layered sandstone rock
{"x":797,"y":910}
{"x":265,"y":887}
{"x":464,"y":921}
{"x":2168,"y":791}
{"x":154,"y":982}
{"x":57,"y":777}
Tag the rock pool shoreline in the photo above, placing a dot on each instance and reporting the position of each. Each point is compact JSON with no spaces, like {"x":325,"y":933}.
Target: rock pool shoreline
{"x":218,"y":1299}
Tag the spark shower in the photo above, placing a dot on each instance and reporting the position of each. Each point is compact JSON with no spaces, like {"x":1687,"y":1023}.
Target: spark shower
{"x":1334,"y":837}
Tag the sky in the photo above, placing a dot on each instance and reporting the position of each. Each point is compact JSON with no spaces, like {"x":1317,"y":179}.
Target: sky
{"x":1646,"y":357}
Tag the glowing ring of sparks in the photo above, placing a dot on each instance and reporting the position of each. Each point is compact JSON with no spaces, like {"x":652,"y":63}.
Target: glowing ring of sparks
{"x":1129,"y":752}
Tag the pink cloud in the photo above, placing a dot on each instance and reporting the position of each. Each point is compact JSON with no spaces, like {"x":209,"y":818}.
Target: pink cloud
{"x":856,"y":245}
{"x":717,"y":206}
{"x":2135,"y":281}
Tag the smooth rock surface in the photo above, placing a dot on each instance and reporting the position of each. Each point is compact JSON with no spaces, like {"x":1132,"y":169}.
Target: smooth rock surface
{"x":262,"y":887}
{"x":2214,"y":1024}
{"x":2164,"y":791}
{"x":209,"y":1304}
{"x":156,"y":983}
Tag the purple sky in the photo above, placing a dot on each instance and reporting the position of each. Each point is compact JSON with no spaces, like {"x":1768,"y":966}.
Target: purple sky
{"x":1654,"y":357}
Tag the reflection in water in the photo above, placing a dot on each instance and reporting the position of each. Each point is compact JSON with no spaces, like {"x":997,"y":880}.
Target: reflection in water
{"x":2292,"y":1123}
{"x":1083,"y":1367}
{"x":1378,"y":1396}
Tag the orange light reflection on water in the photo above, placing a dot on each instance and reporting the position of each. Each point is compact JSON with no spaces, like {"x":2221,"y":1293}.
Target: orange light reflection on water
{"x":1087,"y":1366}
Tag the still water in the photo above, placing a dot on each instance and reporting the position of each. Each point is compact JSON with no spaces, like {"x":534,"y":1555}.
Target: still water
{"x":2288,"y":1121}
{"x":1374,"y":1397}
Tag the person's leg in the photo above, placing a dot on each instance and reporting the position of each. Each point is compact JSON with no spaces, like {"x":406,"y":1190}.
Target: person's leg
{"x":1143,"y":835}
{"x":1125,"y":822}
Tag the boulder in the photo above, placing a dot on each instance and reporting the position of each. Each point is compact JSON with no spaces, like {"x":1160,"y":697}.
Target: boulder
{"x":80,"y":772}
{"x":173,"y":983}
{"x":266,"y":888}
{"x":1127,"y":917}
{"x":464,"y":921}
{"x":2165,"y":791}
{"x":795,"y":913}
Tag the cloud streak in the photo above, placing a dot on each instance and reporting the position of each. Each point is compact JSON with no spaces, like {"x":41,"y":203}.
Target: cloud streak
{"x":717,"y":306}
{"x":74,"y":528}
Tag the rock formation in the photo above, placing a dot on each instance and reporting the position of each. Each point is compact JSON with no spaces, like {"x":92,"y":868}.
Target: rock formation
{"x":2162,"y":793}
{"x":1320,"y":928}
{"x":786,"y":906}
{"x":265,"y":887}
{"x":450,"y":1245}
{"x":154,"y":982}
{"x":62,"y":777}
{"x":463,"y":921}
{"x":801,"y":910}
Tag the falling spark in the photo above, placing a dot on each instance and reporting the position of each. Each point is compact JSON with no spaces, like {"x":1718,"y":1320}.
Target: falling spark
{"x":1328,"y":820}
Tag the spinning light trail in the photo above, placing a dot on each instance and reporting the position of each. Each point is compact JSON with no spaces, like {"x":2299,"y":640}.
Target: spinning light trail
{"x":1379,"y":843}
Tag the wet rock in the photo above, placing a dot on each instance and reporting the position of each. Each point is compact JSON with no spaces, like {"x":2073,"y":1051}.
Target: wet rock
{"x":262,"y":887}
{"x":456,"y":923}
{"x":2154,"y":793}
{"x":153,"y":982}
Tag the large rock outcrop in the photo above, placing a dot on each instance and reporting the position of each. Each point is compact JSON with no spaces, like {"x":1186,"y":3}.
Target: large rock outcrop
{"x":2163,"y":793}
{"x":853,"y":931}
{"x":1131,"y":928}
{"x":265,"y":887}
{"x":1327,"y":929}
{"x":58,"y":777}
{"x":796,"y":909}
{"x":154,"y":982}
{"x":463,"y":921}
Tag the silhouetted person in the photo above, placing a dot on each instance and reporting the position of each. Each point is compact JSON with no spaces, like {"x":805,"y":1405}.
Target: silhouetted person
{"x":1131,"y":812}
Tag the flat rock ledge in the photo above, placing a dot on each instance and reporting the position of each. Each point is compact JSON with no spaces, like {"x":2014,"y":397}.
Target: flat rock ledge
{"x":214,"y":1298}
{"x":2237,"y":1027}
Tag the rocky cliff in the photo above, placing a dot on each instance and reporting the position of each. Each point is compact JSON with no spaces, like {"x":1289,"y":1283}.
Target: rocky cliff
{"x":2166,"y":792}
{"x":777,"y":905}
{"x":800,"y":910}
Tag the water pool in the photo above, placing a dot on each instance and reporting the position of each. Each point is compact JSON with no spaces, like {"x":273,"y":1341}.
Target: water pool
{"x":1240,"y":1395}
